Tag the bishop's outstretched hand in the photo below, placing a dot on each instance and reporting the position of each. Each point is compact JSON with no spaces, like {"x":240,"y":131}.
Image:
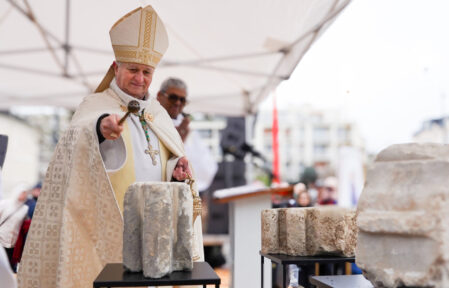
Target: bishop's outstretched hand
{"x":110,"y":128}
{"x":182,"y":170}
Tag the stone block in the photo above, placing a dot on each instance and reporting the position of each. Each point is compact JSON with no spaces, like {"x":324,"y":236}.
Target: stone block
{"x":270,"y":231}
{"x":157,"y":237}
{"x":331,"y":230}
{"x":293,"y":240}
{"x":403,"y":221}
{"x":309,"y":231}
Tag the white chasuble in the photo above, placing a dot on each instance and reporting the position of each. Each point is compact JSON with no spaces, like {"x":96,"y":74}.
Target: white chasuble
{"x":77,"y":226}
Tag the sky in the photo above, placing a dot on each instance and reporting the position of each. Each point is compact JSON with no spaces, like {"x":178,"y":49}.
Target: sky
{"x":382,"y":64}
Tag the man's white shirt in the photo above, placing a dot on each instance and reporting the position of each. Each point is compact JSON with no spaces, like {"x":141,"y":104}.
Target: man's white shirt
{"x":204,"y":165}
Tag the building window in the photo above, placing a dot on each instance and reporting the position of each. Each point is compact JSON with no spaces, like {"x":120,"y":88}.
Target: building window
{"x":342,"y":134}
{"x":319,"y":150}
{"x":321,"y":134}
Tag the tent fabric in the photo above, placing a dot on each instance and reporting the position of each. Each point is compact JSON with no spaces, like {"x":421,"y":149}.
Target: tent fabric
{"x":231,"y":54}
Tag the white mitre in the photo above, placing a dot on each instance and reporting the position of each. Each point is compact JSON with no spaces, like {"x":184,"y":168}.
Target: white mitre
{"x":138,"y":37}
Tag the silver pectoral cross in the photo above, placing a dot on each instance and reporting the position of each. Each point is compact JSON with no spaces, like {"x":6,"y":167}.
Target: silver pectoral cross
{"x":152,"y":152}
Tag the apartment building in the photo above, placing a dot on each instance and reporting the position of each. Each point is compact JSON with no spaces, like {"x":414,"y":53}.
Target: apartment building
{"x":307,"y":137}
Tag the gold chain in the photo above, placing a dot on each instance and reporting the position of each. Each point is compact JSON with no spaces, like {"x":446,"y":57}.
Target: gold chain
{"x":197,"y":207}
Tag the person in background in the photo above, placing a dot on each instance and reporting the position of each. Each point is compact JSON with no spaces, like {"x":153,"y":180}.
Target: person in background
{"x":13,"y":213}
{"x":301,"y":196}
{"x":303,"y":200}
{"x":6,"y":274}
{"x":328,"y":192}
{"x":29,"y":198}
{"x":173,"y":95}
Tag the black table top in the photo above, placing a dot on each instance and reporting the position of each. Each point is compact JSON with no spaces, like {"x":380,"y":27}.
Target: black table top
{"x":115,"y":275}
{"x":304,"y":260}
{"x":340,"y":281}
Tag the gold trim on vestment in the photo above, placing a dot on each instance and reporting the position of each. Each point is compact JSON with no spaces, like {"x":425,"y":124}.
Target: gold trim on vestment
{"x":104,"y":84}
{"x":125,"y":176}
{"x":165,"y":155}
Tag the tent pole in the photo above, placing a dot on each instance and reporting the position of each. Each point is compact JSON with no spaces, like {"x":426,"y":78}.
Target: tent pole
{"x":29,"y":16}
{"x":315,"y":29}
{"x":332,"y":14}
{"x":29,"y":70}
{"x":67,"y":37}
{"x":226,"y":58}
{"x":236,"y":71}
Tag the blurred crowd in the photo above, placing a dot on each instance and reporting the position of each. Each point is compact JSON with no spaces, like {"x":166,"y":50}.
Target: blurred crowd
{"x":16,"y":213}
{"x":320,"y":192}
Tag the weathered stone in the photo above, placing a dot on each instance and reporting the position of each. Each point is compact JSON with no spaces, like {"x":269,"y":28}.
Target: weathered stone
{"x":157,"y":237}
{"x":296,"y":228}
{"x":331,"y":230}
{"x":270,"y":235}
{"x":403,"y":218}
{"x":309,"y":231}
{"x":282,"y":230}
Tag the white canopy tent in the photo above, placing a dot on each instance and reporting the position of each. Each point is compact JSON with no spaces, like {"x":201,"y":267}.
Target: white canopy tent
{"x":232,"y":54}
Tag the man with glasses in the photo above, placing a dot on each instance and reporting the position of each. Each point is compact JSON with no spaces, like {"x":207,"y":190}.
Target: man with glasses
{"x":173,"y":97}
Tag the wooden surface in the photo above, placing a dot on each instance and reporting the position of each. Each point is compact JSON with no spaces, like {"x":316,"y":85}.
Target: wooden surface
{"x":281,"y":191}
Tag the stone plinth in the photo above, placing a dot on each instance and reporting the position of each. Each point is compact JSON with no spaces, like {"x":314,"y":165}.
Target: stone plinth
{"x":309,"y":231}
{"x":157,"y":237}
{"x":403,"y":218}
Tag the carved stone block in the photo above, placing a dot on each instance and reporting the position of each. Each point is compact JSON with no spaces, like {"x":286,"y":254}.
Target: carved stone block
{"x":270,"y":231}
{"x":309,"y":231}
{"x":331,"y":230}
{"x":403,"y":218}
{"x":157,"y":237}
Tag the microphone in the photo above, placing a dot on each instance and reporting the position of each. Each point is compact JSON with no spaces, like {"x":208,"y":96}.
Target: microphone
{"x":234,"y":151}
{"x":249,"y":149}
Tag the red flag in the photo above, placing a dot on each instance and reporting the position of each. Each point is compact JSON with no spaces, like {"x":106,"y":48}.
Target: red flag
{"x":274,"y":132}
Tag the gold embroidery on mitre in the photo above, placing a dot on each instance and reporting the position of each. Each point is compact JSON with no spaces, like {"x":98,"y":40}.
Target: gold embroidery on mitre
{"x":151,"y":34}
{"x":143,"y":52}
{"x":148,"y":31}
{"x":125,"y":54}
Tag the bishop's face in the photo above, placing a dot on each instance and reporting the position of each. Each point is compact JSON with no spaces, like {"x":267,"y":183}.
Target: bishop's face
{"x":134,"y":79}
